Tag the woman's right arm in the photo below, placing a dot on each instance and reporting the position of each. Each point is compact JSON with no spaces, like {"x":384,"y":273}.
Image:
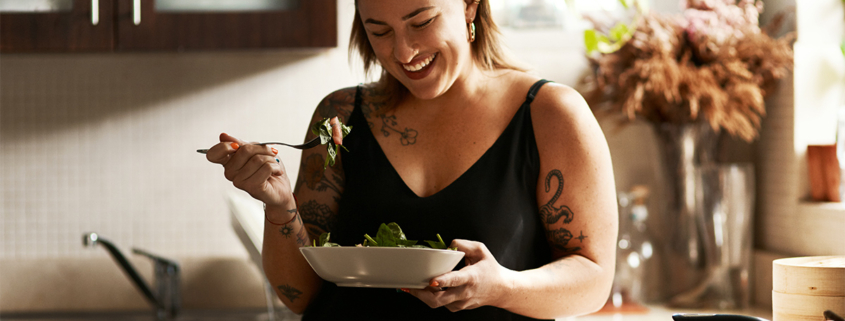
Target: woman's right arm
{"x":292,"y":226}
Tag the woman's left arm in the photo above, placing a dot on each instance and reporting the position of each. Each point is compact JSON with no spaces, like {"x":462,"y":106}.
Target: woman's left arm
{"x":577,"y":198}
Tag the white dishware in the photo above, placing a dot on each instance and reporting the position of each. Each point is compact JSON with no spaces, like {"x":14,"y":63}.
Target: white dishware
{"x":380,"y":267}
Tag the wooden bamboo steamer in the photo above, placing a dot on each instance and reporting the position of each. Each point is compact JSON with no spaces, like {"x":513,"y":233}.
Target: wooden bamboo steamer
{"x":806,"y":305}
{"x":804,"y":287}
{"x":817,"y":275}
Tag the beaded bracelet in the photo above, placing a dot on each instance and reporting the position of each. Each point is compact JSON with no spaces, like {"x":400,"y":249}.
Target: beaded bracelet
{"x":295,"y":213}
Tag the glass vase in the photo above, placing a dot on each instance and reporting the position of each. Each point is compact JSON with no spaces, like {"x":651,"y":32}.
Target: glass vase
{"x":707,"y":220}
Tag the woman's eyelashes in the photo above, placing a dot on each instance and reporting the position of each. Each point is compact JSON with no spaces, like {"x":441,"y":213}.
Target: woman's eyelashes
{"x":424,"y":23}
{"x":380,"y":34}
{"x":416,"y":26}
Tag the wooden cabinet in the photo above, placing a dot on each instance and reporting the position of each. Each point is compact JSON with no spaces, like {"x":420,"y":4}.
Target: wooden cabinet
{"x":61,"y":30}
{"x":136,"y":25}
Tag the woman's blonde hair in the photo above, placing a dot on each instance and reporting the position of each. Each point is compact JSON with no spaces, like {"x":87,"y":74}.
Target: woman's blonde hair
{"x":487,"y":50}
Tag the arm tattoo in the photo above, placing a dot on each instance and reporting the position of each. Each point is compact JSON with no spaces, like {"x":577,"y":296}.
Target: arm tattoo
{"x":290,"y":292}
{"x":549,"y":214}
{"x":302,"y":235}
{"x":314,"y":176}
{"x":332,"y":105}
{"x":319,"y":216}
{"x":560,"y":239}
{"x":286,"y":230}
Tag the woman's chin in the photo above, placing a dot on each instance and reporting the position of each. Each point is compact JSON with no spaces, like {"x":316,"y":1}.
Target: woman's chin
{"x":428,"y":88}
{"x":426,"y":93}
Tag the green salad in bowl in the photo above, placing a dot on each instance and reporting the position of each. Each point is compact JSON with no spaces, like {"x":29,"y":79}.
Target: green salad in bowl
{"x":388,"y":260}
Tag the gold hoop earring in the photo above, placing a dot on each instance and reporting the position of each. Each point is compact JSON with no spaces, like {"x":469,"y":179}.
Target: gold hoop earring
{"x":477,"y":1}
{"x":471,"y":28}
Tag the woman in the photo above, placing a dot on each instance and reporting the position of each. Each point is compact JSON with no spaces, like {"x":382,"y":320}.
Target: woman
{"x":453,"y":140}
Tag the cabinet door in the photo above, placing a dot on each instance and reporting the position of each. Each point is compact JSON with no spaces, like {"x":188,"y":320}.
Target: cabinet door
{"x":147,"y":25}
{"x":56,"y":25}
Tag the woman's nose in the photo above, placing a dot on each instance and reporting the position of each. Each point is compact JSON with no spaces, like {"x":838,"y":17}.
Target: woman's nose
{"x":404,"y":50}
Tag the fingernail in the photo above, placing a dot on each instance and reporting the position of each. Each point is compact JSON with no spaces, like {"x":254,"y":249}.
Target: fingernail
{"x":275,"y":151}
{"x":235,"y":145}
{"x":405,"y":290}
{"x":434,"y":284}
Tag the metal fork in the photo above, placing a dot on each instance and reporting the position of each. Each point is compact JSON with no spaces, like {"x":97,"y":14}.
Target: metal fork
{"x":311,"y":143}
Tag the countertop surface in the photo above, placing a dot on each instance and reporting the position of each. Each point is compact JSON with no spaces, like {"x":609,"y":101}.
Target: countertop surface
{"x":657,"y":313}
{"x":650,"y":313}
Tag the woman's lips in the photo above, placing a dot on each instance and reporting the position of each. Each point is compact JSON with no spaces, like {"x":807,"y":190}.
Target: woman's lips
{"x":420,"y":69}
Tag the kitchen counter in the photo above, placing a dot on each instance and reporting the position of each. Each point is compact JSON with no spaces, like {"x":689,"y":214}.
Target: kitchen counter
{"x":187,"y":315}
{"x":658,"y":313}
{"x":652,"y":313}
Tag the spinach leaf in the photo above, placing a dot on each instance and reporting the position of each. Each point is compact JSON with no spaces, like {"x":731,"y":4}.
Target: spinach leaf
{"x":439,"y":244}
{"x":324,"y":241}
{"x":323,"y":129}
{"x":389,"y":235}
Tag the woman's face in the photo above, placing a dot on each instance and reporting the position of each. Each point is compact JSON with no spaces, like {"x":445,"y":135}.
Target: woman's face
{"x":423,"y":43}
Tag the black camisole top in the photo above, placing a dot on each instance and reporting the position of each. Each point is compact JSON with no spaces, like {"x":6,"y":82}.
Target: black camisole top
{"x":493,"y":202}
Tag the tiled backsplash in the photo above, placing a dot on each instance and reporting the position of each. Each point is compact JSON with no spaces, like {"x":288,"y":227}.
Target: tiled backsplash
{"x":106,"y":143}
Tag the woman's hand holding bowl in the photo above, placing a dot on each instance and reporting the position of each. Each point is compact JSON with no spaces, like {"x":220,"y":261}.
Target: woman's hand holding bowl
{"x":483,"y":281}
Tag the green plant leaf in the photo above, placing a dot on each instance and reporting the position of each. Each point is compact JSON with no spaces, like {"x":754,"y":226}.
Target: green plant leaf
{"x":369,"y":241}
{"x":388,"y":235}
{"x":619,"y":32}
{"x":591,"y":40}
{"x":439,"y":244}
{"x":324,"y":241}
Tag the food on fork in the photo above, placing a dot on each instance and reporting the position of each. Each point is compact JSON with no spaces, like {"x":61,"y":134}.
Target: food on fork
{"x":331,"y":133}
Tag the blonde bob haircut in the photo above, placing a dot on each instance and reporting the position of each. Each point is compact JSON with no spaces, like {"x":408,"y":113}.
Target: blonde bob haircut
{"x":486,"y":49}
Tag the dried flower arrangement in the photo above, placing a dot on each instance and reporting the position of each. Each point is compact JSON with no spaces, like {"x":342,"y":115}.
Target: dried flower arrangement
{"x":714,"y":61}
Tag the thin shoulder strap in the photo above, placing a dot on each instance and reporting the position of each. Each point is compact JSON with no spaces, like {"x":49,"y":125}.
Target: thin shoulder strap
{"x":532,"y":92}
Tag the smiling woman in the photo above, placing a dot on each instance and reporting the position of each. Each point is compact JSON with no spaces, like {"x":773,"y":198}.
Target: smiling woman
{"x":456,"y":139}
{"x":485,"y":44}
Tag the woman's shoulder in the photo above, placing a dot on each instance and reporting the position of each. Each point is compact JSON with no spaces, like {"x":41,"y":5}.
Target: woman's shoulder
{"x":339,"y":103}
{"x":560,"y":103}
{"x":550,"y":98}
{"x":560,"y":115}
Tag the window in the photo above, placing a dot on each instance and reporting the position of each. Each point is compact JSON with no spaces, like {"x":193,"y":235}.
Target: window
{"x":548,"y":14}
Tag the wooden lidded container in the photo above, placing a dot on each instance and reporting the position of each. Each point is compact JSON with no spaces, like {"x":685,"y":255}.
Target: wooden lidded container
{"x":804,"y":287}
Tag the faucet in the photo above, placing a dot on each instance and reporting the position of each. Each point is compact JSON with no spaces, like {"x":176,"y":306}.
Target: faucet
{"x":167,"y":298}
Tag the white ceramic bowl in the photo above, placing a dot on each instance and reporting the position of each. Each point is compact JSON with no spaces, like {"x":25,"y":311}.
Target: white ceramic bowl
{"x":380,"y":267}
